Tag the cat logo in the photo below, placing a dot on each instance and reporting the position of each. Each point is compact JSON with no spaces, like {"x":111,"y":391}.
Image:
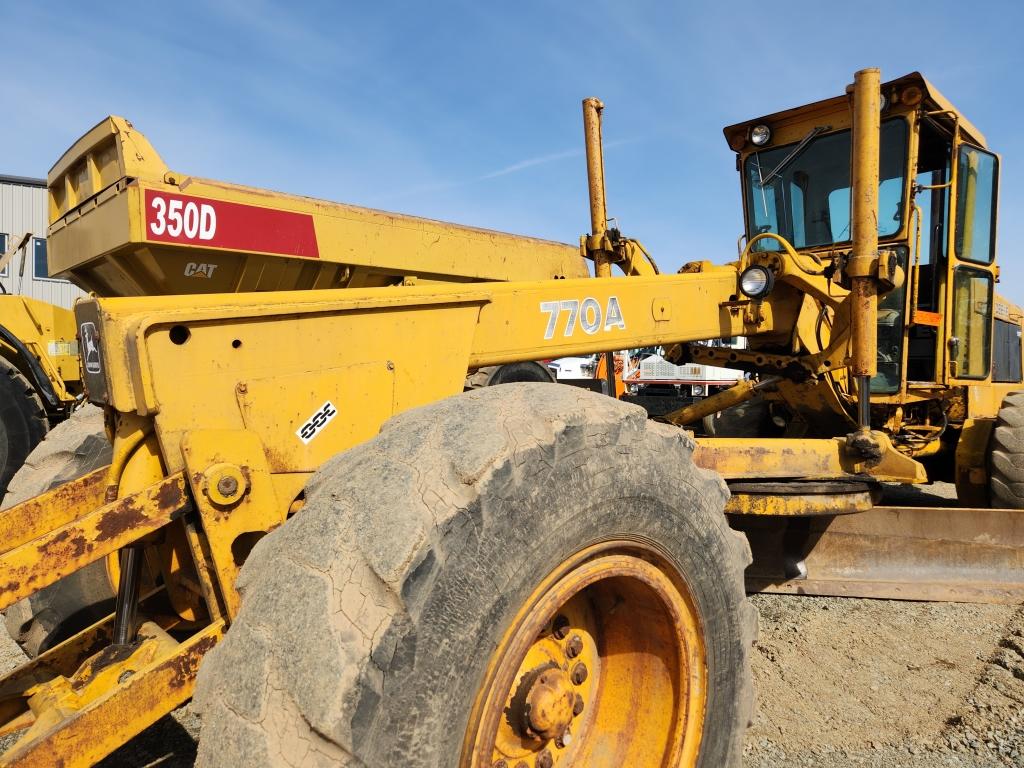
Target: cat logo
{"x":92,"y":350}
{"x":194,"y":269}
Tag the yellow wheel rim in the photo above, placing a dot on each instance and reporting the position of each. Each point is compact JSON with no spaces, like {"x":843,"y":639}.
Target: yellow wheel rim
{"x":604,"y":665}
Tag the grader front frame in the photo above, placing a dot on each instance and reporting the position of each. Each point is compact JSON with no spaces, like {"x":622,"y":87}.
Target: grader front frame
{"x":221,"y":408}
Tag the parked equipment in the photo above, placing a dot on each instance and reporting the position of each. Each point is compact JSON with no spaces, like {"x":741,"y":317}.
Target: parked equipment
{"x":39,"y":375}
{"x":366,"y":566}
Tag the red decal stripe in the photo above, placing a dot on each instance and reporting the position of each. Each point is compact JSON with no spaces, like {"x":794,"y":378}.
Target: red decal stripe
{"x":172,"y":218}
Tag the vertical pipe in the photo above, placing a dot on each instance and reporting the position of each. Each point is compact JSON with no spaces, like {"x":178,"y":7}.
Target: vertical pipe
{"x":127,"y":605}
{"x":598,"y":210}
{"x":863,"y":262}
{"x":595,"y":179}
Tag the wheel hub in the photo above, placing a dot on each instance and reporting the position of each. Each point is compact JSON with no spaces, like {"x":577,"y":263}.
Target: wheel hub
{"x":563,"y":689}
{"x":548,"y":704}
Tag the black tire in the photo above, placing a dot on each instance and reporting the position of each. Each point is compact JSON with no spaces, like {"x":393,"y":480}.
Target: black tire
{"x":367,"y":620}
{"x":73,"y":448}
{"x":510,"y":373}
{"x":23,"y":422}
{"x":1006,"y":478}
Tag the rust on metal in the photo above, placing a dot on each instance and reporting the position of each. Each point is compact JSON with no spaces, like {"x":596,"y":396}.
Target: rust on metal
{"x":97,"y":533}
{"x":126,"y":516}
{"x":800,"y":505}
{"x":51,"y":509}
{"x":117,"y":706}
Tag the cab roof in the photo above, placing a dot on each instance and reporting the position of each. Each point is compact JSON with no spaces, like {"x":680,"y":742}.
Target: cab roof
{"x":896,"y":91}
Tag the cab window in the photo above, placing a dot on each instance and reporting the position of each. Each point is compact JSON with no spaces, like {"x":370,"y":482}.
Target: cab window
{"x":977,"y":176}
{"x":970,"y":345}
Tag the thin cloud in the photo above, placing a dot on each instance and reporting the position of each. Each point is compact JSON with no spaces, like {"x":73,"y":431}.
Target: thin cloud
{"x":533,"y":161}
{"x":551,"y":158}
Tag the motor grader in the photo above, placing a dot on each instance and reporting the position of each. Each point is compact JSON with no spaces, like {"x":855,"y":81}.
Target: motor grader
{"x":39,"y":374}
{"x":351,"y":561}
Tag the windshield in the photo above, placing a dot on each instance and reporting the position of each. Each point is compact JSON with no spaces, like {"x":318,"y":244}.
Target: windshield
{"x":808,"y":200}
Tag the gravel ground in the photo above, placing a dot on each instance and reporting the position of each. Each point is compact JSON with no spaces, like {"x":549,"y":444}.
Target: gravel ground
{"x":841,"y":682}
{"x":845,"y":681}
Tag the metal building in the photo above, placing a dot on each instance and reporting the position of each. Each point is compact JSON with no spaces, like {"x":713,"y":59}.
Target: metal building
{"x":23,"y":209}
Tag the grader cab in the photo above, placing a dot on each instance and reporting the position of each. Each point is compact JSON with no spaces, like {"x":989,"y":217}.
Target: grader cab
{"x":307,"y":522}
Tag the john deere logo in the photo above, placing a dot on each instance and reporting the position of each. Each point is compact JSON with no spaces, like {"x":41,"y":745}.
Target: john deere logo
{"x":90,"y":347}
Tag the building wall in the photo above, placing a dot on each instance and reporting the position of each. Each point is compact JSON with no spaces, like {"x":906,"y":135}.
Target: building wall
{"x":23,"y":209}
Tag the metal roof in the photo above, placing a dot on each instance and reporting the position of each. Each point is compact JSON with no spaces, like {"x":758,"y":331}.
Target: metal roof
{"x":25,"y":181}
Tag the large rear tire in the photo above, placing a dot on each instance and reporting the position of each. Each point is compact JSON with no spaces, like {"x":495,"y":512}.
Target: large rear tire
{"x":1006,"y":477}
{"x":23,"y":422}
{"x":490,"y":571}
{"x":73,"y":448}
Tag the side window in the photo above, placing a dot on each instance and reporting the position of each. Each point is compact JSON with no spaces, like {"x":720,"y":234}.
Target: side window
{"x":972,"y":322}
{"x":1006,"y":360}
{"x":40,"y":266}
{"x":977,"y":176}
{"x":3,"y":250}
{"x":41,"y":263}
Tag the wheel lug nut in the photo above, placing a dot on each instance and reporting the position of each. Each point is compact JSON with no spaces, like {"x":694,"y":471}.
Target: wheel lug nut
{"x":544,"y":760}
{"x":579,"y":674}
{"x":577,"y":706}
{"x":574,"y":647}
{"x":561,"y":627}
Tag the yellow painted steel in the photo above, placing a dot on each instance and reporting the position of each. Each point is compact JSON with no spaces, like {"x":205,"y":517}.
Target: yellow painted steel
{"x":610,"y":653}
{"x":101,"y":707}
{"x":741,"y":458}
{"x":48,"y":332}
{"x":862,"y":267}
{"x":775,"y":505}
{"x":52,"y":553}
{"x":98,"y":195}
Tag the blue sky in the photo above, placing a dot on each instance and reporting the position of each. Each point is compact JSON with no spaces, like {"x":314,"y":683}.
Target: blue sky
{"x":470,"y":111}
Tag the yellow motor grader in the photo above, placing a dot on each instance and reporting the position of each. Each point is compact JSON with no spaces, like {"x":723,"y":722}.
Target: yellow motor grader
{"x":349,"y":560}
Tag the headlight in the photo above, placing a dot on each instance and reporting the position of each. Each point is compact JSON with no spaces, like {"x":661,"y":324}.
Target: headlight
{"x":756,"y":282}
{"x":760,"y":134}
{"x":697,"y":390}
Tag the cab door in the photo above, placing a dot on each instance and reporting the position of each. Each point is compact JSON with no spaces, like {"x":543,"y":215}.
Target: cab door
{"x":972,"y":270}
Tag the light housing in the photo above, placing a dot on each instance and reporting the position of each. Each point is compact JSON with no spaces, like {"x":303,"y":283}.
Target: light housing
{"x":757,"y":281}
{"x":697,"y":390}
{"x":760,"y":135}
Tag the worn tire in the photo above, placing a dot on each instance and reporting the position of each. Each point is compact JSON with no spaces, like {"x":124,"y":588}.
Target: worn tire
{"x":73,"y":448}
{"x":367,"y":620}
{"x":1006,"y":476}
{"x":23,"y":422}
{"x":509,"y":373}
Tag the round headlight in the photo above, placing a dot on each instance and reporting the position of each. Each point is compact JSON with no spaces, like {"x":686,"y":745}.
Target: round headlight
{"x":756,"y":281}
{"x":760,"y":134}
{"x":698,"y":390}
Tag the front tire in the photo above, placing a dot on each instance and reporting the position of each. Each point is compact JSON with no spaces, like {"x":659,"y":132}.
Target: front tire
{"x":23,"y":422}
{"x":492,"y":575}
{"x":1006,"y":477}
